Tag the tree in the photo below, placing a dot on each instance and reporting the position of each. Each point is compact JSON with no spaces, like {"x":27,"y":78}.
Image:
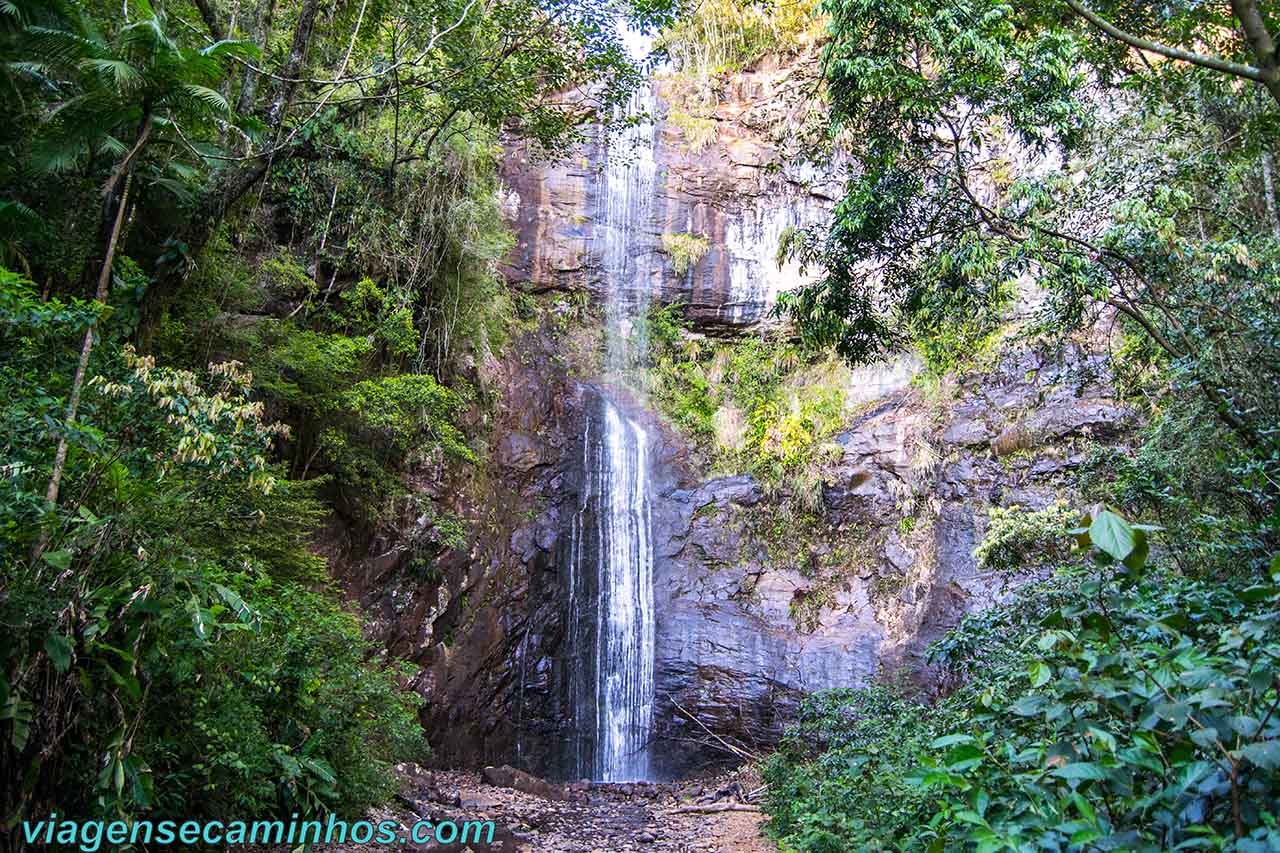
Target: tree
{"x":114,"y":97}
{"x":1050,"y":140}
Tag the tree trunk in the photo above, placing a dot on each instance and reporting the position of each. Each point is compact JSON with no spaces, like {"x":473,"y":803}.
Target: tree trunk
{"x":86,"y":347}
{"x":295,"y":64}
{"x":259,"y":32}
{"x":1260,"y":42}
{"x":1269,"y":193}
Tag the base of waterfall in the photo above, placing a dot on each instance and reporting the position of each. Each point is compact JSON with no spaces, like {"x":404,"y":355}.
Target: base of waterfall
{"x":703,"y":815}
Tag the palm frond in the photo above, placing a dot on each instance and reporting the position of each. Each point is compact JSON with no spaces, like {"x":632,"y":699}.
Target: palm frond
{"x":38,"y":71}
{"x":180,"y":189}
{"x":210,"y":97}
{"x":111,"y":145}
{"x":57,"y":46}
{"x":54,"y":154}
{"x":15,"y":215}
{"x":182,"y":170}
{"x":251,"y":126}
{"x":148,"y":33}
{"x":197,"y":68}
{"x":122,"y":73}
{"x":231,"y":49}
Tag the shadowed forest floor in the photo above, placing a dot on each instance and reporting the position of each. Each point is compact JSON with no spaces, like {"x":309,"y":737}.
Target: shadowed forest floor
{"x":581,"y":817}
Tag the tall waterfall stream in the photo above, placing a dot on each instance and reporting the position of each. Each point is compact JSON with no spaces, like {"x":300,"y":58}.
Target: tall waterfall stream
{"x":611,"y":567}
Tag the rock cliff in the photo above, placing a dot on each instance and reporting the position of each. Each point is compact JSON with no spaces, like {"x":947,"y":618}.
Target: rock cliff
{"x":753,"y":608}
{"x":721,"y":178}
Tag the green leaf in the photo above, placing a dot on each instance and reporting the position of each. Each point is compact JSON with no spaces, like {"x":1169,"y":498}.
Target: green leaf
{"x":950,"y":740}
{"x":1111,"y":534}
{"x":18,"y":710}
{"x":963,"y":757}
{"x":1079,"y":770}
{"x":1084,"y":836}
{"x":1257,"y":592}
{"x":1205,"y":738}
{"x":1137,"y":558}
{"x":320,"y":768}
{"x":60,"y":560}
{"x":1039,"y":673}
{"x":59,"y":649}
{"x":236,"y":603}
{"x":1265,"y":754}
{"x":1245,"y":725}
{"x":201,"y":620}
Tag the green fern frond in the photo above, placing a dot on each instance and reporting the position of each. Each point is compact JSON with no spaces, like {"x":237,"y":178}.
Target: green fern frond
{"x":231,"y":49}
{"x":124,"y":75}
{"x":209,"y":97}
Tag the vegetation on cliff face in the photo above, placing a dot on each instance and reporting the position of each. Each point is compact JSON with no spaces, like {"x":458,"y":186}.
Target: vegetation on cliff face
{"x":1120,"y":157}
{"x":757,"y":404}
{"x":248,"y":266}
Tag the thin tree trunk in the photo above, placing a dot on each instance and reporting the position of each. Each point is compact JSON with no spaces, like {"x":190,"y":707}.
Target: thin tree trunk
{"x":1269,"y":191}
{"x":259,"y":33}
{"x":295,"y":64}
{"x":86,"y":347}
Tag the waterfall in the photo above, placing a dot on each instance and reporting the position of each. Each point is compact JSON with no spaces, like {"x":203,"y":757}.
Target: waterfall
{"x":610,"y":596}
{"x":611,"y":626}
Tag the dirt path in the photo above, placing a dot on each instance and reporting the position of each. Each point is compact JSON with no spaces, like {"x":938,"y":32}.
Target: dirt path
{"x":580,"y":818}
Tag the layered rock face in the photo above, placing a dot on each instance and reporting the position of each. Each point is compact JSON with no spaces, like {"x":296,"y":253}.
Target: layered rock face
{"x":718,"y":179}
{"x":752,"y":608}
{"x":753,"y":612}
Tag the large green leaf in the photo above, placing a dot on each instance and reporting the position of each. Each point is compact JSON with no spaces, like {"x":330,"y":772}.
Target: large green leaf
{"x":59,"y":650}
{"x":1112,"y":534}
{"x":1081,"y":770}
{"x":1265,"y":754}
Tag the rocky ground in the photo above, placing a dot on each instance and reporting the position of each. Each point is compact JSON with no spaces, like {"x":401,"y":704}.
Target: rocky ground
{"x":712,"y":815}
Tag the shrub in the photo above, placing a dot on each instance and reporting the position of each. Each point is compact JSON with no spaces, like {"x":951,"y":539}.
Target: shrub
{"x":685,"y":250}
{"x":1129,"y":711}
{"x":1019,"y":539}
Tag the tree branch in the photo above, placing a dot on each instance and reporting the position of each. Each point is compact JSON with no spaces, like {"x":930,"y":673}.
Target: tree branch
{"x":1267,"y":77}
{"x":1260,"y":42}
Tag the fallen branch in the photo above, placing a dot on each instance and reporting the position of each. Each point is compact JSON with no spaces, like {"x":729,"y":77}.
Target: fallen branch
{"x":732,"y":749}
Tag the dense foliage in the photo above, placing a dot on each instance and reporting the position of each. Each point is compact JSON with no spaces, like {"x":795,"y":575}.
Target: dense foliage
{"x":166,"y":645}
{"x":247,"y":253}
{"x":1109,"y":164}
{"x":1111,"y":708}
{"x":996,"y":146}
